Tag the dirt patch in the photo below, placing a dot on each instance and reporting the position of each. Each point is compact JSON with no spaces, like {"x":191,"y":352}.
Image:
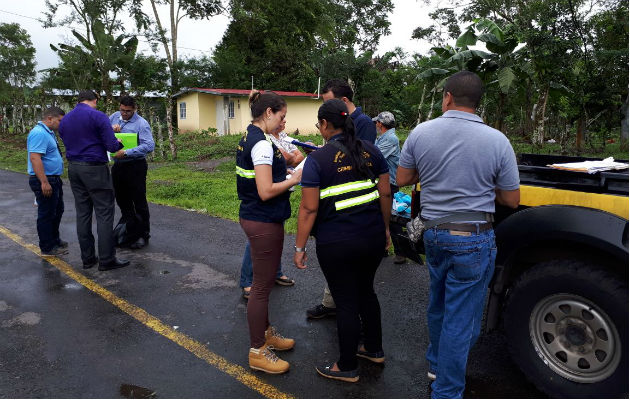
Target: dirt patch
{"x":209,"y":165}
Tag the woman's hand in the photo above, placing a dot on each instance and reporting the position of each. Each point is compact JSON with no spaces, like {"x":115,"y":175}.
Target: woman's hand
{"x":296,"y":176}
{"x":299,"y":259}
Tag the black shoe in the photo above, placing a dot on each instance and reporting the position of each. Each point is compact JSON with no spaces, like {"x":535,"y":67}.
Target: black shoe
{"x":320,"y":311}
{"x":374,"y":356}
{"x":117,"y":263}
{"x":400,"y":260}
{"x":90,"y":263}
{"x":55,"y":251}
{"x":62,"y":244}
{"x":138,"y":244}
{"x":346,"y":376}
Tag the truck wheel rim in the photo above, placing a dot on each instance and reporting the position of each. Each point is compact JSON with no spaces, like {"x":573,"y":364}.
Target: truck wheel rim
{"x":575,"y":338}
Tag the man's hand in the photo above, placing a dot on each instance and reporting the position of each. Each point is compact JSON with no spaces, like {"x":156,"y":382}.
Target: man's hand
{"x":300,"y":259}
{"x":120,"y":154}
{"x":116,"y":128}
{"x":46,"y":189}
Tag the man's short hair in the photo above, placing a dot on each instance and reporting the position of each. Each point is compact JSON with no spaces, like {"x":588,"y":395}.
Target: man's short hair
{"x":339,"y":88}
{"x":53,"y":112}
{"x":466,"y":88}
{"x":88,"y":95}
{"x":128,"y":101}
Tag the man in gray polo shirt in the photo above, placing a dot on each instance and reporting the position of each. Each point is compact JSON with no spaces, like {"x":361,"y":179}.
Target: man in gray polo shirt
{"x":463,"y":166}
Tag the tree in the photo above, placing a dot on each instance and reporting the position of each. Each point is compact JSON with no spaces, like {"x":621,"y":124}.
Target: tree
{"x":17,"y":70}
{"x":178,"y":11}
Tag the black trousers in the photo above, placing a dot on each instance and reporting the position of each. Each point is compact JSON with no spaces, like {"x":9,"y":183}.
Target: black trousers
{"x":349,"y":267}
{"x":130,"y":188}
{"x":92,"y":189}
{"x":395,"y":229}
{"x":49,"y":211}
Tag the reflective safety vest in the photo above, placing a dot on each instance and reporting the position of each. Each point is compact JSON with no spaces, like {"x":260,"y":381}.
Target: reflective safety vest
{"x":348,"y":205}
{"x":253,"y":208}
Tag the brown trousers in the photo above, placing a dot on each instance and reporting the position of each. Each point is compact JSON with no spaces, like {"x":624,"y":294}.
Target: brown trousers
{"x":266,"y":240}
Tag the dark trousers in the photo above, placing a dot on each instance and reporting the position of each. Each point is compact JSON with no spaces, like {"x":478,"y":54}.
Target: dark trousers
{"x":130,"y":188}
{"x":49,"y":211}
{"x":265,"y":240}
{"x":349,"y":267}
{"x":394,"y":229}
{"x":93,"y":191}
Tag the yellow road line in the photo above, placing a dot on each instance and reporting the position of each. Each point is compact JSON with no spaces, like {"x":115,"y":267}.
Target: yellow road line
{"x":235,"y":371}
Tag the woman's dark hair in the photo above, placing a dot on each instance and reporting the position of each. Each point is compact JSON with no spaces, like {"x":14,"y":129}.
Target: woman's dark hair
{"x":336,"y":113}
{"x":260,"y":101}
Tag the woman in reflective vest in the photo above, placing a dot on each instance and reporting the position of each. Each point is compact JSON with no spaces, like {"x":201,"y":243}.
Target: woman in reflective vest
{"x":346,"y":204}
{"x":264,"y":193}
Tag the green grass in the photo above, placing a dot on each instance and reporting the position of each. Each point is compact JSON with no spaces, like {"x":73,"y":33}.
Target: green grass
{"x":182,"y":184}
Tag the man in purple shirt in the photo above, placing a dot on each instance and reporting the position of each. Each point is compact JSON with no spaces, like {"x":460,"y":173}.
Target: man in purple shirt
{"x":88,"y":135}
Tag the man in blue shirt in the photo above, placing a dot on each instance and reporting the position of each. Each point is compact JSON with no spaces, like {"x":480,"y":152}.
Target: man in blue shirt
{"x":340,"y":89}
{"x":45,"y":167}
{"x":365,"y":130}
{"x":389,"y":145}
{"x":88,"y":135}
{"x":129,"y":173}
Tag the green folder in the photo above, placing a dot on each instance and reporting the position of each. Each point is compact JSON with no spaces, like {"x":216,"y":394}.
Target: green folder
{"x":129,"y":140}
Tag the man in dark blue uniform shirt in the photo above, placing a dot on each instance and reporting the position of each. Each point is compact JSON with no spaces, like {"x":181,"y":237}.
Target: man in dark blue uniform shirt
{"x":88,"y":135}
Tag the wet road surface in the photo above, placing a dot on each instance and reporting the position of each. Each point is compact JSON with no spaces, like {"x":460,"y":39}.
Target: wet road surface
{"x":58,"y":338}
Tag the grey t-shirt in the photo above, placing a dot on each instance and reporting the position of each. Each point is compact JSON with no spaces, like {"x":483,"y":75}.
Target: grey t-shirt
{"x":460,"y":162}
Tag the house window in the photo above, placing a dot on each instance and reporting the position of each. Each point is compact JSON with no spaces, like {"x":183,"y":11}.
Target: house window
{"x":182,"y":110}
{"x":231,"y":110}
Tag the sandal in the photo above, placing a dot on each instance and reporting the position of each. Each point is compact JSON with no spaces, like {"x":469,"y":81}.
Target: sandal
{"x":285,"y":281}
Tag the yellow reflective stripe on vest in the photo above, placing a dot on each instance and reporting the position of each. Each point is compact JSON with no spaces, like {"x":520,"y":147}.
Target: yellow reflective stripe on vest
{"x":346,"y":188}
{"x":355,"y":201}
{"x":245,"y":173}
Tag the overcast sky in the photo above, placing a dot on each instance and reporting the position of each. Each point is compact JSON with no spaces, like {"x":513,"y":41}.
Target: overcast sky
{"x":197,"y":38}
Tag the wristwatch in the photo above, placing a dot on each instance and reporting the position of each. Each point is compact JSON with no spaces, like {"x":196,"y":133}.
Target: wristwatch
{"x":300,"y":249}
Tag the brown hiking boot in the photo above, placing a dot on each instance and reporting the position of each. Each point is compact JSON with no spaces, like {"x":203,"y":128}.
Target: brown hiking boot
{"x":276,"y":341}
{"x":264,"y":359}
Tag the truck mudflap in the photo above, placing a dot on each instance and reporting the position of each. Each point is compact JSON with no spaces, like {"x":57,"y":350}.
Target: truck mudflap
{"x":401,"y":242}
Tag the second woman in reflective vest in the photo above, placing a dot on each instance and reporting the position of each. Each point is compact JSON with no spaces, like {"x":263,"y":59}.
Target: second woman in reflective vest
{"x":263,"y":188}
{"x":346,"y":204}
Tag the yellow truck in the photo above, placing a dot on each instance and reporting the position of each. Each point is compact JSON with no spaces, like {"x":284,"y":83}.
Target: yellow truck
{"x":560,"y":287}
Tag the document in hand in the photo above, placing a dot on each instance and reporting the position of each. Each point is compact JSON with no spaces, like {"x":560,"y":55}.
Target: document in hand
{"x":591,"y":167}
{"x":129,"y":141}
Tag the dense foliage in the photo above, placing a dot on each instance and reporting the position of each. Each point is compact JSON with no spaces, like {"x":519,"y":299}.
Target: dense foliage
{"x":553,"y":69}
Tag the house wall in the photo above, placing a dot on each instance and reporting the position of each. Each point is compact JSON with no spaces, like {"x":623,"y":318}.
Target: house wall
{"x":208,"y":110}
{"x":302,"y":115}
{"x":191,"y":123}
{"x":201,"y":113}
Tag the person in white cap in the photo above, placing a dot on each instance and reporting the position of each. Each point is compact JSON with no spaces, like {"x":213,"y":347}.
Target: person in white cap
{"x":388,"y":143}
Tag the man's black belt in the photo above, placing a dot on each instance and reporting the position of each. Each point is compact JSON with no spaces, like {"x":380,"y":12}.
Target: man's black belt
{"x":52,"y":176}
{"x":87,"y":162}
{"x":470,"y":227}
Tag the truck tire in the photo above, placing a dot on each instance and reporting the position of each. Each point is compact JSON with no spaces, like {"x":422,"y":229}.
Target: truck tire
{"x":566,"y":323}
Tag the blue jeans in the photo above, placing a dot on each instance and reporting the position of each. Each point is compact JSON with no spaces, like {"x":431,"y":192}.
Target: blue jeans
{"x":247,"y":269}
{"x":460,"y":268}
{"x":49,"y":212}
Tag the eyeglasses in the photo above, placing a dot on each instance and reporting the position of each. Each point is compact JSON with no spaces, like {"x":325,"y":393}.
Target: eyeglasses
{"x":123,"y":111}
{"x":317,"y":125}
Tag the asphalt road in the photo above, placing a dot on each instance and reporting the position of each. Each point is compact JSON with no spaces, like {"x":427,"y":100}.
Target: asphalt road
{"x":60,"y":339}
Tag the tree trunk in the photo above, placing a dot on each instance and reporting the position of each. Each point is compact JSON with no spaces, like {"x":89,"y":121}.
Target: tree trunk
{"x":419,"y":120}
{"x":169,"y":125}
{"x":22,"y":122}
{"x":431,"y":105}
{"x":155,"y":121}
{"x":539,"y":121}
{"x":500,"y":117}
{"x":579,"y":137}
{"x":624,"y":122}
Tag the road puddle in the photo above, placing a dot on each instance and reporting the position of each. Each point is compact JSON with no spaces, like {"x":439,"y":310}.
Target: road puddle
{"x":136,"y":392}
